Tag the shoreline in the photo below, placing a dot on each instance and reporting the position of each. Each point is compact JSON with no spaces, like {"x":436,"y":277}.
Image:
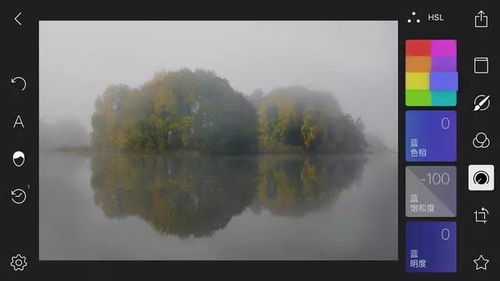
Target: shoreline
{"x":89,"y":150}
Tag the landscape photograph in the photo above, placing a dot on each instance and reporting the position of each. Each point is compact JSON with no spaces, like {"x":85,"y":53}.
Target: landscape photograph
{"x":218,"y":140}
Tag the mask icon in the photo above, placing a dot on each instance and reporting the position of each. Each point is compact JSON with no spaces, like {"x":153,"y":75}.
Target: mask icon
{"x":18,"y":158}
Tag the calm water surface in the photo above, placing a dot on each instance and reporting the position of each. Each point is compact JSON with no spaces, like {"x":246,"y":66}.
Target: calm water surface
{"x":185,"y":206}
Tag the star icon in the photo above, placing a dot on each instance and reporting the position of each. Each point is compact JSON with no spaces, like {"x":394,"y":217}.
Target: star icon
{"x":481,"y":263}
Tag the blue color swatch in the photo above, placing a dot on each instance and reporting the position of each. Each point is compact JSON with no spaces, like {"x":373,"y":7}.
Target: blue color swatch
{"x":431,"y":246}
{"x":444,"y":81}
{"x":431,"y":136}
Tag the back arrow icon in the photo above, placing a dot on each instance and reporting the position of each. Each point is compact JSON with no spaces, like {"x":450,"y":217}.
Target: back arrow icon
{"x":18,"y":22}
{"x":13,"y":81}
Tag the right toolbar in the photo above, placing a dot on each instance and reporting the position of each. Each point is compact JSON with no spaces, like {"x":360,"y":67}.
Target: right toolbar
{"x":449,"y":144}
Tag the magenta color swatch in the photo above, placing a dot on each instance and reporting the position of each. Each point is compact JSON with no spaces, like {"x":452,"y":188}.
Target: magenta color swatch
{"x":444,"y":48}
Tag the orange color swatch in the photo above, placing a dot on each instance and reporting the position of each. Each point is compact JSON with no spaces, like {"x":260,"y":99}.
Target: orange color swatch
{"x":418,"y":64}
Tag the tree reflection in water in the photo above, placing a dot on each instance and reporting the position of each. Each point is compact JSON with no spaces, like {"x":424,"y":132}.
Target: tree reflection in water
{"x":195,"y":195}
{"x":293,"y":185}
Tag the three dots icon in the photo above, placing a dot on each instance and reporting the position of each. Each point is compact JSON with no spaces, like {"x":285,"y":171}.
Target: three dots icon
{"x":413,"y":18}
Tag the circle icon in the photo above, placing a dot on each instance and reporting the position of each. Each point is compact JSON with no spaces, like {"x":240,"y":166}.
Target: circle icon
{"x":481,"y":140}
{"x":18,"y":158}
{"x":18,"y":262}
{"x":481,"y":102}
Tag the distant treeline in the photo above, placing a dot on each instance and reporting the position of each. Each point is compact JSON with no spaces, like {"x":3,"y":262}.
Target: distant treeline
{"x":197,"y":110}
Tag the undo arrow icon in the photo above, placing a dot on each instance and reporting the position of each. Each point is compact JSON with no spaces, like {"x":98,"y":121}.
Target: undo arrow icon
{"x":13,"y":81}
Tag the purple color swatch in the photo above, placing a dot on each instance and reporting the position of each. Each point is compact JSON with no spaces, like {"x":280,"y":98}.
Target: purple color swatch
{"x":443,"y":64}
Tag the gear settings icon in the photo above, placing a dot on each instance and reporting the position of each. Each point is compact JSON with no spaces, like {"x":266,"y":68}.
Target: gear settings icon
{"x":18,"y":262}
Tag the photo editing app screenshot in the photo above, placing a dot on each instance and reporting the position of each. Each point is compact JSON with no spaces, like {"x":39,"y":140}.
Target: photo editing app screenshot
{"x":273,"y":143}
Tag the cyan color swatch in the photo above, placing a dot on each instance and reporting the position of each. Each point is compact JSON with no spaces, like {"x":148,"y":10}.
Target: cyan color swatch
{"x":444,"y":98}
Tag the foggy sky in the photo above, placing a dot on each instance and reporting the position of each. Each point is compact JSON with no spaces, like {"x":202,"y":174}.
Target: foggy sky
{"x":355,"y":60}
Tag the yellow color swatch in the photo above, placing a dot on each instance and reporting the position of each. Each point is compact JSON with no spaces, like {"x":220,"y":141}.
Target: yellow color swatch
{"x":417,"y":81}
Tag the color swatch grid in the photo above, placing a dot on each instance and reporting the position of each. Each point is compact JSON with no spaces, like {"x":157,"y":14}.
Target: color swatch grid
{"x":431,"y":73}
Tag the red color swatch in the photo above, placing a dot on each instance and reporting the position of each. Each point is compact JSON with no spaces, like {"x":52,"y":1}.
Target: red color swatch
{"x":418,"y":47}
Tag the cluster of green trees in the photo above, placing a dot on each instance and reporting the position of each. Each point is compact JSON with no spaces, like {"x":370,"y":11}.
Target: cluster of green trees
{"x":197,"y":110}
{"x":295,"y":117}
{"x":176,"y":110}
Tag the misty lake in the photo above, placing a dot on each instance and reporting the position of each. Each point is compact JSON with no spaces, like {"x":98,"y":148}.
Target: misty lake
{"x":187,"y":206}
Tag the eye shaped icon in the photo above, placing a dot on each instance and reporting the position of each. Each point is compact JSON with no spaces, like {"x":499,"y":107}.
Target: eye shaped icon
{"x":18,"y":158}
